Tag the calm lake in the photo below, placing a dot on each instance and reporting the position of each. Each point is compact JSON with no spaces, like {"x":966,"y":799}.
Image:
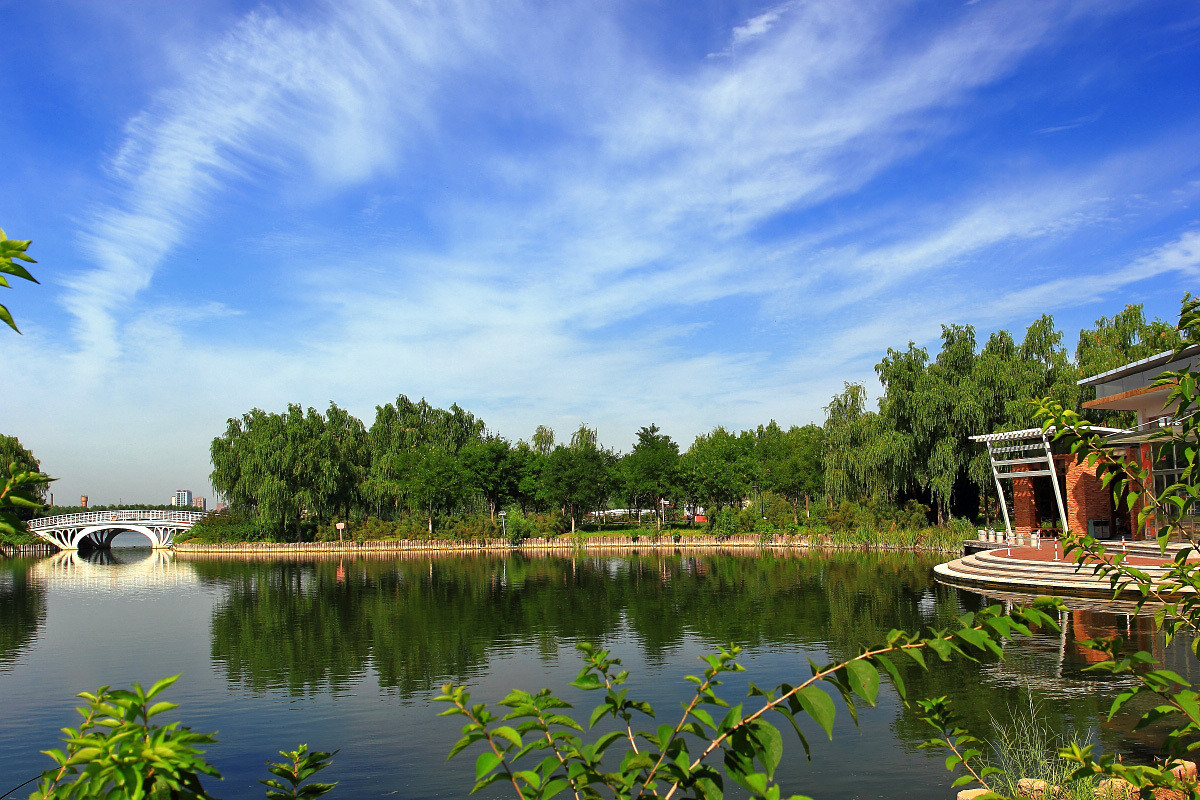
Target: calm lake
{"x":346,"y":654}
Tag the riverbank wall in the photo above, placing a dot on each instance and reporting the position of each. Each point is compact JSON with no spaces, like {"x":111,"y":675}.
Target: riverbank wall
{"x":19,"y":550}
{"x":591,"y":544}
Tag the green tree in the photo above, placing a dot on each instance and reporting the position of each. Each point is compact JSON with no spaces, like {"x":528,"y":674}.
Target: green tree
{"x":1115,"y":341}
{"x":434,"y":481}
{"x":578,"y":477}
{"x":790,"y":463}
{"x":256,"y":466}
{"x":493,"y":471}
{"x":527,"y":465}
{"x":719,"y":468}
{"x":855,"y":463}
{"x":543,"y":440}
{"x":651,"y":469}
{"x":344,"y":459}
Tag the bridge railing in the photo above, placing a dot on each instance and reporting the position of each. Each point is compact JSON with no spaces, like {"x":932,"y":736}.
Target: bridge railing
{"x":120,"y":515}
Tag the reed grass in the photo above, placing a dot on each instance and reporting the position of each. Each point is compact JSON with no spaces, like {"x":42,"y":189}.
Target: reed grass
{"x":1027,"y":747}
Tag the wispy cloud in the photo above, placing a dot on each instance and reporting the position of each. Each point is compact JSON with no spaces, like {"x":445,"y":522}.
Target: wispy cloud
{"x":1072,"y":125}
{"x":267,"y":96}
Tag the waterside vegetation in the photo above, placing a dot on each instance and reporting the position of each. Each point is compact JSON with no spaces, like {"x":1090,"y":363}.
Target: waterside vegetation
{"x":422,"y":471}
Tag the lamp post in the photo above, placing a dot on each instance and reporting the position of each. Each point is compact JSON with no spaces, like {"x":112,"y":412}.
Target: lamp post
{"x":503,"y":525}
{"x":340,"y":527}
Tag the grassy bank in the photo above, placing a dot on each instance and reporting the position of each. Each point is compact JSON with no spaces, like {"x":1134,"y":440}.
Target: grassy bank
{"x":849,"y":525}
{"x":935,"y":539}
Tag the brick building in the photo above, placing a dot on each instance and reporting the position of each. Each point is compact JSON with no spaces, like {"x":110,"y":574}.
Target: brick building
{"x":1075,"y":498}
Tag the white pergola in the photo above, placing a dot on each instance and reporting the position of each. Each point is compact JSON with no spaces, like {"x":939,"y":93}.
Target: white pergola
{"x":1031,"y":447}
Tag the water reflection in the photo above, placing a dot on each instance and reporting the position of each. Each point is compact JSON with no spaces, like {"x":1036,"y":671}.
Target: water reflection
{"x":22,"y":608}
{"x":316,"y":624}
{"x":121,"y":568}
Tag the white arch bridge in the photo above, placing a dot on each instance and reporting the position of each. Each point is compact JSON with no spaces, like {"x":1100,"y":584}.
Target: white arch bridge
{"x":97,"y":529}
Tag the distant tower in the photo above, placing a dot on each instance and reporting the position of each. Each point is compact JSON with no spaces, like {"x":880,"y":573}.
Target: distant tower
{"x":182,"y":498}
{"x":83,"y":501}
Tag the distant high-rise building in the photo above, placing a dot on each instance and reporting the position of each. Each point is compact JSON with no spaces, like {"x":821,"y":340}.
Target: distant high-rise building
{"x":182,"y":498}
{"x":83,"y":501}
{"x":200,"y":503}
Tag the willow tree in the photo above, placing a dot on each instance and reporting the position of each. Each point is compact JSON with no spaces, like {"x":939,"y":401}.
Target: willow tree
{"x":1118,"y":340}
{"x":411,"y":446}
{"x":857,"y":452}
{"x":284,"y":467}
{"x":341,"y":463}
{"x":254,"y":467}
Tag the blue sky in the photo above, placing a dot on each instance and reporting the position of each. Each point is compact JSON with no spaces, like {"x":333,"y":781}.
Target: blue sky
{"x":690,"y":213}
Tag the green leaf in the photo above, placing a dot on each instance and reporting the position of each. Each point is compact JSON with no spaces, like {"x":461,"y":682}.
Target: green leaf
{"x":508,"y":734}
{"x":464,"y":743}
{"x":7,"y":319}
{"x":486,"y":762}
{"x":587,"y":682}
{"x":818,"y":705}
{"x":553,"y":788}
{"x":158,"y":708}
{"x":598,"y":713}
{"x":770,"y":745}
{"x":894,"y":673}
{"x":161,"y":685}
{"x":864,"y":679}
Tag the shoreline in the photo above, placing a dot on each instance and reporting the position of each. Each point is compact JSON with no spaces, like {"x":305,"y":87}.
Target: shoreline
{"x":611,"y":544}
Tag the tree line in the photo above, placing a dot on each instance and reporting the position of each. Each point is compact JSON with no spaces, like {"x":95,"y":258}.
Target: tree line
{"x":417,"y":461}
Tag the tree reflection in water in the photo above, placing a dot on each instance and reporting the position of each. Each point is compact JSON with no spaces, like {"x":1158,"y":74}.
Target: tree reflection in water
{"x":317,"y":625}
{"x":22,"y":609}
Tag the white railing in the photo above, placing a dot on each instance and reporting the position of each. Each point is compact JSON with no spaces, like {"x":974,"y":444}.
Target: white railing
{"x":123,"y":515}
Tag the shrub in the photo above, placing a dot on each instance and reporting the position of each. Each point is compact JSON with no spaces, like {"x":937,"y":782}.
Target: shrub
{"x":520,"y":527}
{"x":120,"y":750}
{"x":227,"y":526}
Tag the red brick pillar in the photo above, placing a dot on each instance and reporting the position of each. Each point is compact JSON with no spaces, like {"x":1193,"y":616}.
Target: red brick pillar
{"x":1024,"y":510}
{"x":1086,"y":497}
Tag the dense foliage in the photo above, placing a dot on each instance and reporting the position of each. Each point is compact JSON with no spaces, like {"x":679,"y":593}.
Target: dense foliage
{"x":916,"y":444}
{"x":419,"y":470}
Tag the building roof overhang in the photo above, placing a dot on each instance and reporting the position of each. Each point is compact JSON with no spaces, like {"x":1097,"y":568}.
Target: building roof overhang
{"x":1132,"y":400}
{"x":1145,"y":364}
